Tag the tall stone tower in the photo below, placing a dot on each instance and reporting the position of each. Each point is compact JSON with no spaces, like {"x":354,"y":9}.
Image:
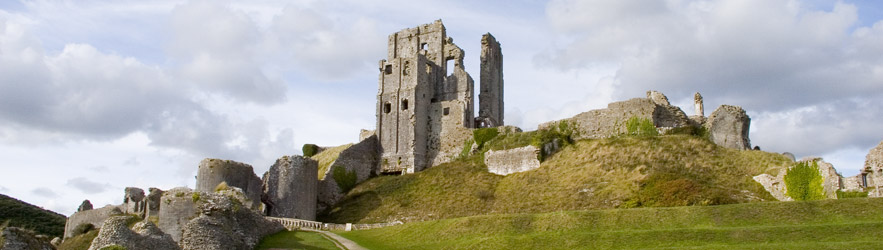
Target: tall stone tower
{"x":490,"y":96}
{"x":424,"y":91}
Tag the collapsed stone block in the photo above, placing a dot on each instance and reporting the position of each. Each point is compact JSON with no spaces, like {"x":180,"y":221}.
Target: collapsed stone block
{"x":603,"y":123}
{"x":290,"y":188}
{"x":509,"y":161}
{"x":728,"y":127}
{"x":154,"y":198}
{"x":86,"y":205}
{"x":133,"y":202}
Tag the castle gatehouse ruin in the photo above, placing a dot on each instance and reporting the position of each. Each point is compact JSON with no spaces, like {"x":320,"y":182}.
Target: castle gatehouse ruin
{"x":425,"y":100}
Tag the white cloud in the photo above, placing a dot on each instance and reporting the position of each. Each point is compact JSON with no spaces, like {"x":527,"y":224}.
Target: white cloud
{"x":44,"y":192}
{"x":87,"y":186}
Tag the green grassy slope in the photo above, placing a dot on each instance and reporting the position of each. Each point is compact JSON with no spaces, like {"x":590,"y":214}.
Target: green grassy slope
{"x":21,"y":214}
{"x":296,"y":240}
{"x":621,"y":172}
{"x":827,"y":224}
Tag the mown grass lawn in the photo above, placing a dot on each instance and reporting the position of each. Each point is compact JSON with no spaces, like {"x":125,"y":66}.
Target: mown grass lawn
{"x":828,"y":224}
{"x":297,"y":240}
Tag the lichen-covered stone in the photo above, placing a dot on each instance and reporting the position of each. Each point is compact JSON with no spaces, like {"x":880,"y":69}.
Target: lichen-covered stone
{"x":143,"y":235}
{"x":504,"y":162}
{"x":658,"y":98}
{"x":728,"y":127}
{"x":13,"y":238}
{"x":360,"y":159}
{"x":222,"y":223}
{"x":290,"y":188}
{"x":215,"y":171}
{"x":95,"y":217}
{"x":177,"y":207}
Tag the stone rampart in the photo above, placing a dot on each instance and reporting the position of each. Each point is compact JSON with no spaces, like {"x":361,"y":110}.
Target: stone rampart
{"x":603,"y":123}
{"x":95,"y":217}
{"x":359,"y":160}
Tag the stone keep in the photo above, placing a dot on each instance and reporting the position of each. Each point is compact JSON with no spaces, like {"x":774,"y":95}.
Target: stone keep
{"x":215,"y":171}
{"x":290,"y":188}
{"x":728,"y":127}
{"x":425,"y":94}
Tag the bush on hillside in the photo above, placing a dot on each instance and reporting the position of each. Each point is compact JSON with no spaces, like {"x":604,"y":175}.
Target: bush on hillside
{"x":804,"y":183}
{"x":346,"y":180}
{"x":562,"y":133}
{"x":640,"y":127}
{"x":483,"y":135}
{"x":310,"y":150}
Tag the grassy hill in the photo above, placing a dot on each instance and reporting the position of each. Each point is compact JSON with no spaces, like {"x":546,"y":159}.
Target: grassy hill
{"x":826,"y":224}
{"x":21,"y":214}
{"x":619,"y":172}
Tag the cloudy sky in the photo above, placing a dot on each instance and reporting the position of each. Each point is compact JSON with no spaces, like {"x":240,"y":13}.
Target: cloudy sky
{"x":99,"y":95}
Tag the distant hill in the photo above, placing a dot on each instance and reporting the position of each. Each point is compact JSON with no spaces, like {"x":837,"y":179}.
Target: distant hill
{"x":24,"y":215}
{"x":619,"y":172}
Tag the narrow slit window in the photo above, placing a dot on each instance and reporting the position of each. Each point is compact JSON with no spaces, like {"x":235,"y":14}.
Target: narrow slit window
{"x":387,"y":107}
{"x":405,"y":104}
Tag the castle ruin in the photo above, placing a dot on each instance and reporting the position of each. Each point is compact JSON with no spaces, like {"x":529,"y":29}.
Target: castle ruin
{"x":425,"y":97}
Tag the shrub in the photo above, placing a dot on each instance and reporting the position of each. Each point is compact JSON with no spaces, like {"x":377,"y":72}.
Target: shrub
{"x":563,"y":132}
{"x":310,"y":150}
{"x":483,"y":135}
{"x":641,"y":127}
{"x":851,"y":194}
{"x":195,"y":196}
{"x":803,"y":182}
{"x":346,"y":180}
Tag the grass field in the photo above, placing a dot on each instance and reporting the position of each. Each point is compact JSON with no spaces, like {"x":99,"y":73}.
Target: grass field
{"x":619,"y":172}
{"x":827,"y":224}
{"x":297,"y":240}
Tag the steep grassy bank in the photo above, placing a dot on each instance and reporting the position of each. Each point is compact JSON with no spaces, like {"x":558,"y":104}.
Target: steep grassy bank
{"x":24,"y":215}
{"x":620,"y":172}
{"x":827,"y":224}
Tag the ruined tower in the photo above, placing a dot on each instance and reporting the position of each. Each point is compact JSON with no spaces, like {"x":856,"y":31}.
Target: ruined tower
{"x":490,"y":95}
{"x":697,"y":104}
{"x":424,"y":91}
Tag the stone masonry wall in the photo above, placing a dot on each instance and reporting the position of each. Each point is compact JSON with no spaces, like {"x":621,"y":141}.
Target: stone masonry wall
{"x":602,"y":123}
{"x":214,"y":171}
{"x":504,"y":162}
{"x":360,"y":159}
{"x":290,"y":188}
{"x":95,"y":217}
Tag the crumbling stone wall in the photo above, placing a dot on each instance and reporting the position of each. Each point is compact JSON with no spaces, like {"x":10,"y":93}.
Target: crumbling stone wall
{"x":728,"y":127}
{"x":775,"y":185}
{"x":214,"y":171}
{"x":176,"y":209}
{"x":602,"y":123}
{"x":360,"y":160}
{"x":95,"y":217}
{"x":133,"y":202}
{"x":290,"y":188}
{"x":490,"y":95}
{"x":504,"y":162}
{"x":873,"y":170}
{"x":153,"y":202}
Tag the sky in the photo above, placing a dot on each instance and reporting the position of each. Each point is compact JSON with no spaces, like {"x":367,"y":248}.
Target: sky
{"x":96,"y":96}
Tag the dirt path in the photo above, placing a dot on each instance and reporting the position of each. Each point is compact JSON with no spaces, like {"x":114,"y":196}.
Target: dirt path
{"x":338,"y":240}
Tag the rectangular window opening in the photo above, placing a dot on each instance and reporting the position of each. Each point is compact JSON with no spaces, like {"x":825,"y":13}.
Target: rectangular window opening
{"x":450,"y":67}
{"x":387,"y":69}
{"x":447,"y":111}
{"x":405,"y":104}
